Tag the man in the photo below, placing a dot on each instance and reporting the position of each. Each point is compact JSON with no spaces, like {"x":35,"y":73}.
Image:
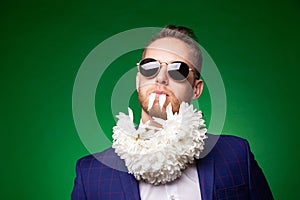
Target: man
{"x":170,"y":156}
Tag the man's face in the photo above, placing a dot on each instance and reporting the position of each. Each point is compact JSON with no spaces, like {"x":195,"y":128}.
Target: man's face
{"x":167,"y":50}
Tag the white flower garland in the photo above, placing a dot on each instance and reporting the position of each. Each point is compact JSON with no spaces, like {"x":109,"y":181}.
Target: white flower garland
{"x":158,"y":155}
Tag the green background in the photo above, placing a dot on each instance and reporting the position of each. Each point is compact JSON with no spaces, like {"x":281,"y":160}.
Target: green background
{"x":255,"y":45}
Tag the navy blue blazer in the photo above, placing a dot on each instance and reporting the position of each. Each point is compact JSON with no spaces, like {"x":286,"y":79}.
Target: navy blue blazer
{"x":228,"y":171}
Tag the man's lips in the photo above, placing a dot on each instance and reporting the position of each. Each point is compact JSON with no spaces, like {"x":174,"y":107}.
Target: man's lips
{"x":159,"y":92}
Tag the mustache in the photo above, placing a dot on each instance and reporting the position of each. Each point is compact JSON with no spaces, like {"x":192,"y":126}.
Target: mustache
{"x":144,"y":94}
{"x":160,"y":89}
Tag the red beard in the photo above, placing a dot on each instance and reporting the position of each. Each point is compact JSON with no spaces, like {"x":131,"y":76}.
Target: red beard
{"x":155,"y":110}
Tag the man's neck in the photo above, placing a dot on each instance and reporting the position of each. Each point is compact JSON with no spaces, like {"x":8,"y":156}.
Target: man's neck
{"x":145,"y":117}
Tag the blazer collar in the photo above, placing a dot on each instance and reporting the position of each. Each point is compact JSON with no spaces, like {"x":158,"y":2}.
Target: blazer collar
{"x":130,"y":186}
{"x":205,"y":167}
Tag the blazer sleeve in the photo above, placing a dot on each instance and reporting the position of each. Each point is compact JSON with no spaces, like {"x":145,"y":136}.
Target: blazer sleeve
{"x":78,"y":192}
{"x":258,"y":185}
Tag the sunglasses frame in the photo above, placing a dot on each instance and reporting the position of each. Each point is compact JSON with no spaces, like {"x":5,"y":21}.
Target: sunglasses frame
{"x":159,"y":68}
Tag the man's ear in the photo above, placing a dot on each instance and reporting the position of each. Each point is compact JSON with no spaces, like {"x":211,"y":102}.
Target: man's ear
{"x":198,"y":87}
{"x":137,"y":81}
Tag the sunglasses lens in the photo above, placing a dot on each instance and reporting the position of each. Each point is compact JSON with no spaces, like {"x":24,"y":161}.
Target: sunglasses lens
{"x":149,"y":67}
{"x":178,"y":70}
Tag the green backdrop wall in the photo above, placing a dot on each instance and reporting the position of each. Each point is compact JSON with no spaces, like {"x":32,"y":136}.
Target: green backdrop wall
{"x":255,"y":45}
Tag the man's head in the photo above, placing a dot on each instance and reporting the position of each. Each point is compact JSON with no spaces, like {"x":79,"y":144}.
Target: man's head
{"x":170,"y":66}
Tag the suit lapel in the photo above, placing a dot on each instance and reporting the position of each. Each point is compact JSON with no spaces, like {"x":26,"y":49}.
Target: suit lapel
{"x":130,"y":186}
{"x":205,"y":167}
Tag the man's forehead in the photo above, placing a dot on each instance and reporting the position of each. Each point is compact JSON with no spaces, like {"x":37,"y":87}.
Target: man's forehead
{"x":171,"y":47}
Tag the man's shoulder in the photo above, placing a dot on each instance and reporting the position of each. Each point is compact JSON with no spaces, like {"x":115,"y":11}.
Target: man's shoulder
{"x":226,"y":140}
{"x":226,"y":145}
{"x":105,"y":159}
{"x":232,"y":139}
{"x":91,"y":157}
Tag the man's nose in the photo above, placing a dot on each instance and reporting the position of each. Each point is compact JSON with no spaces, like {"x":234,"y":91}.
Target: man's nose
{"x":162,"y":76}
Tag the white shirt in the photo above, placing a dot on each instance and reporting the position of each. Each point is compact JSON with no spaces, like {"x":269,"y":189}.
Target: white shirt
{"x":186,"y":187}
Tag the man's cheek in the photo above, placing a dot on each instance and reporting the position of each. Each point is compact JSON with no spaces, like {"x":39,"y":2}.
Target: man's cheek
{"x":144,"y":83}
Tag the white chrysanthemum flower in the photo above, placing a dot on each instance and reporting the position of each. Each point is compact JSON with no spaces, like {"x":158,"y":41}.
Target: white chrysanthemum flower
{"x":158,"y":155}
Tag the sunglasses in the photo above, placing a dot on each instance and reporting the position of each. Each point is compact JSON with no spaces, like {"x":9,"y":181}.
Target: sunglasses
{"x":177,"y":70}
